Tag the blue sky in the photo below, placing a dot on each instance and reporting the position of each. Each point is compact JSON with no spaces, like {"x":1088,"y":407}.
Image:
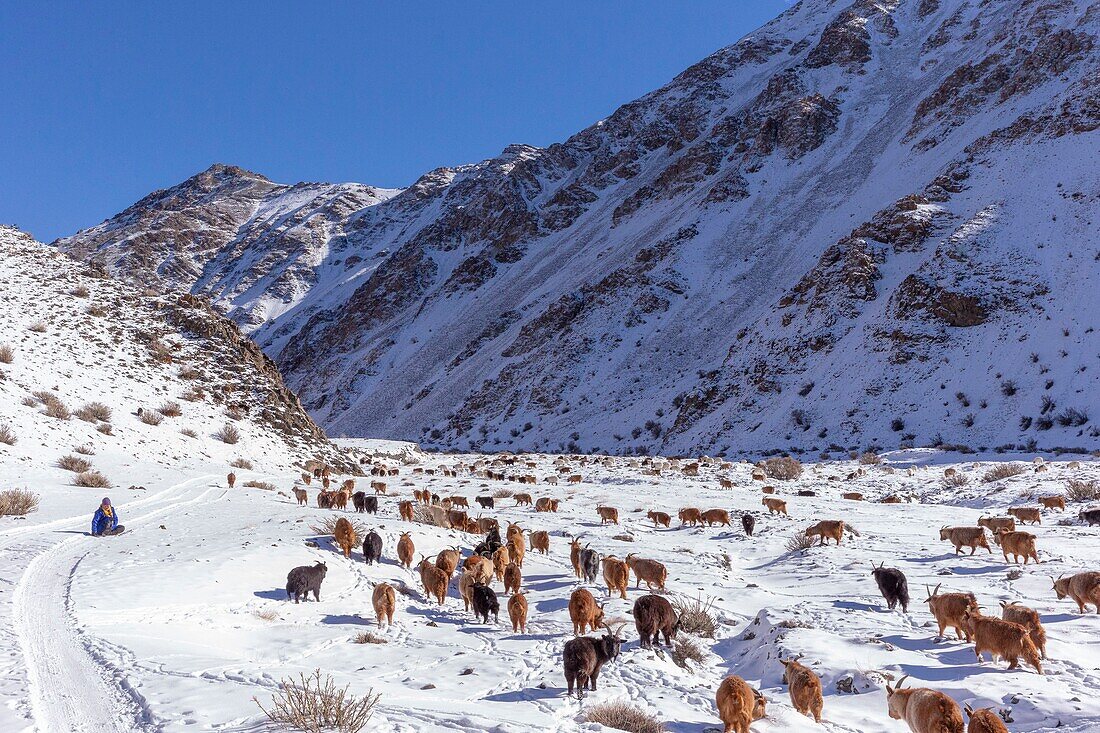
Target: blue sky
{"x":104,"y":102}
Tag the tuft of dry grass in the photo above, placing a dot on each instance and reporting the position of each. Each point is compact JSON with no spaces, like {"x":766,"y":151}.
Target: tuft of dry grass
{"x":17,"y":502}
{"x":327,"y":526}
{"x":38,"y":327}
{"x":696,"y":616}
{"x":870,"y":458}
{"x":1001,"y":471}
{"x":170,"y":409}
{"x":7,"y":435}
{"x":52,"y":406}
{"x":7,"y":354}
{"x":96,"y":311}
{"x":503,"y":494}
{"x":369,"y":637}
{"x":85,"y":450}
{"x":783,"y":468}
{"x":266,"y":614}
{"x":105,"y":428}
{"x":76,"y":464}
{"x":259,"y":485}
{"x":189,"y":372}
{"x":799,"y":542}
{"x":622,"y":715}
{"x":316,"y":704}
{"x":242,"y":463}
{"x":228,"y":434}
{"x":94,"y":412}
{"x":1083,"y":490}
{"x":189,"y":432}
{"x":79,"y":292}
{"x":92,"y":480}
{"x":685,"y":649}
{"x":957,"y":481}
{"x":151,"y":417}
{"x":195,"y":394}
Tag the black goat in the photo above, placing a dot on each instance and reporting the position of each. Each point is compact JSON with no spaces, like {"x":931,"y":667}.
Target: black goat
{"x":485,"y":501}
{"x":893,"y":586}
{"x":491,"y":544}
{"x":372,"y":547}
{"x":749,"y":523}
{"x":370,"y":504}
{"x":358,"y":500}
{"x":653,"y":616}
{"x":305,"y":579}
{"x":590,"y":564}
{"x":1092,"y":516}
{"x":485,"y":602}
{"x":584,"y":656}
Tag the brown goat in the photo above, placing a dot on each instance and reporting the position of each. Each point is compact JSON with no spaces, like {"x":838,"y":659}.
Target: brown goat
{"x":1029,"y":619}
{"x":658,"y":518}
{"x":345,"y":536}
{"x":651,"y":571}
{"x":575,"y":478}
{"x":891,"y":499}
{"x":384,"y":601}
{"x":307,"y":478}
{"x":1026,"y":514}
{"x":517,"y":612}
{"x":804,"y":687}
{"x":405,"y":550}
{"x":950,"y":609}
{"x":405,"y":510}
{"x":340,"y":499}
{"x":460,"y":501}
{"x":995,"y":523}
{"x":775,"y":506}
{"x":447,"y":561}
{"x":1003,"y":639}
{"x":434,"y":581}
{"x":546,"y":504}
{"x":482,"y":567}
{"x":523,"y":499}
{"x":378,"y":486}
{"x":832,"y":529}
{"x":466,"y":583}
{"x":725,"y":483}
{"x":486,"y":524}
{"x":501,"y":558}
{"x":715,"y":516}
{"x":616,"y":574}
{"x":513,"y":578}
{"x":608,"y":514}
{"x":689,"y":516}
{"x":540,"y":541}
{"x":1053,"y":502}
{"x":984,"y":720}
{"x":301,"y":496}
{"x":853,"y":495}
{"x":924,"y":710}
{"x":575,"y":557}
{"x":1017,"y":544}
{"x":1083,"y":588}
{"x":960,"y":537}
{"x":584,"y":612}
{"x":231,"y":479}
{"x":739,"y":705}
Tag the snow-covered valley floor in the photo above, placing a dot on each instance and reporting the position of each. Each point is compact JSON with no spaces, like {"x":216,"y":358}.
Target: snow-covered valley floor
{"x":163,"y":628}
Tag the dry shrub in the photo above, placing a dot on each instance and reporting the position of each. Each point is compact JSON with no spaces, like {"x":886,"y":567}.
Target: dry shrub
{"x":189,"y":433}
{"x":189,"y":372}
{"x":696,"y":616}
{"x":228,"y":434}
{"x":266,"y":614}
{"x":105,"y":428}
{"x":422,"y":515}
{"x":685,"y":649}
{"x":327,"y":526}
{"x":85,"y":450}
{"x":1004,"y":470}
{"x":233,"y":412}
{"x":622,"y":715}
{"x":503,"y":494}
{"x":92,"y":480}
{"x":799,"y":542}
{"x":94,"y":412}
{"x":76,"y":464}
{"x":29,"y":402}
{"x":97,"y":311}
{"x":954,"y":482}
{"x":52,"y":406}
{"x":1083,"y":490}
{"x":783,"y":468}
{"x":259,"y":485}
{"x":17,"y":502}
{"x":170,"y":409}
{"x":369,"y":637}
{"x":242,"y":463}
{"x":79,"y":292}
{"x":315,"y":704}
{"x":195,"y":394}
{"x":161,"y":352}
{"x":870,"y":458}
{"x":7,"y":354}
{"x":7,"y":435}
{"x":151,"y":417}
{"x":38,"y":327}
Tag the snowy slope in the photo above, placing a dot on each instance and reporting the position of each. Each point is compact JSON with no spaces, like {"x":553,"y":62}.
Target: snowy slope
{"x":820,"y":235}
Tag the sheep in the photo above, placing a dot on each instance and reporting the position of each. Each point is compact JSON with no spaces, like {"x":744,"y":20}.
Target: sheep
{"x":466,"y":583}
{"x":608,"y":514}
{"x":583,"y":657}
{"x":231,"y":479}
{"x":972,"y":537}
{"x":852,"y":495}
{"x":305,"y":579}
{"x":893,"y":586}
{"x":517,"y":612}
{"x":486,"y":502}
{"x":650,"y":571}
{"x":653,"y":616}
{"x":616,"y":574}
{"x":658,"y":518}
{"x":1053,"y":502}
{"x":460,"y":501}
{"x":1029,"y":619}
{"x":372,"y":548}
{"x":513,"y":578}
{"x":434,"y":580}
{"x":405,"y":510}
{"x":924,"y":710}
{"x":540,"y":541}
{"x":995,"y":523}
{"x":689,"y":516}
{"x":590,"y":564}
{"x":1092,"y":516}
{"x":715,"y":516}
{"x":804,"y":687}
{"x":949,"y":609}
{"x":1003,"y":639}
{"x":575,"y":557}
{"x":1084,"y":588}
{"x":405,"y":550}
{"x":584,"y":612}
{"x":447,"y":560}
{"x":345,"y":535}
{"x":1026,"y":514}
{"x":523,"y":499}
{"x":501,"y":558}
{"x":775,"y":506}
{"x":739,"y":704}
{"x":827,"y":529}
{"x":302,"y":496}
{"x":378,"y":486}
{"x":1017,"y":544}
{"x":385,"y":602}
{"x":748,"y":523}
{"x":485,"y":602}
{"x":984,"y":720}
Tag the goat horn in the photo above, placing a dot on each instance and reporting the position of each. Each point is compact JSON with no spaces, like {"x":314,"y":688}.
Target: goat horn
{"x":898,"y":685}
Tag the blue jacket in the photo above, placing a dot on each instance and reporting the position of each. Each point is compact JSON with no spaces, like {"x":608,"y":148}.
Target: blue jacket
{"x":101,"y":522}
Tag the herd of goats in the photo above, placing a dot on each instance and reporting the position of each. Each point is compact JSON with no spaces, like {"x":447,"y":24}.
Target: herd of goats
{"x":1017,"y":635}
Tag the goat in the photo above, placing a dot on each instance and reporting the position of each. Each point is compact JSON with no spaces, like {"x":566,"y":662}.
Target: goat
{"x":513,"y":578}
{"x":1001,"y":638}
{"x":540,"y":541}
{"x":575,"y":557}
{"x":302,"y":496}
{"x":405,"y":550}
{"x":1017,"y":544}
{"x":658,"y":518}
{"x":518,"y":548}
{"x":891,"y":499}
{"x":345,"y":535}
{"x":1053,"y":502}
{"x":460,"y":501}
{"x":466,"y":583}
{"x":804,"y":687}
{"x":340,"y":500}
{"x":517,"y":612}
{"x":378,"y":486}
{"x":1083,"y":588}
{"x":893,"y":586}
{"x":590,"y":564}
{"x":485,"y":602}
{"x":575,"y":478}
{"x":434,"y":580}
{"x":738,"y":704}
{"x":490,"y":544}
{"x":775,"y":506}
{"x":960,"y":537}
{"x":995,"y":523}
{"x":583,"y":657}
{"x":654,"y":615}
{"x":827,"y":529}
{"x":405,"y":510}
{"x":748,"y":523}
{"x":984,"y":720}
{"x":372,"y":548}
{"x":584,"y":612}
{"x":447,"y":560}
{"x":715,"y":516}
{"x":767,"y":490}
{"x":456,"y":518}
{"x":482,"y":567}
{"x":501,"y":558}
{"x":486,"y":502}
{"x":1029,"y":619}
{"x":689,"y":516}
{"x":384,"y":601}
{"x":358,"y":502}
{"x":924,"y":710}
{"x":651,"y":571}
{"x":725,"y":483}
{"x":307,"y":478}
{"x":305,"y":579}
{"x":949,"y":610}
{"x":616,"y":574}
{"x":324,"y":499}
{"x":852,"y":495}
{"x":545,"y":504}
{"x":1092,"y":516}
{"x":608,"y":514}
{"x":1026,"y":514}
{"x":523,"y":499}
{"x":231,"y":479}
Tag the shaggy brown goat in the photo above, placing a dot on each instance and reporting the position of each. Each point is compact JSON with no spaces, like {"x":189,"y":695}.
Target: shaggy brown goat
{"x":523,"y":499}
{"x":405,"y":510}
{"x":739,"y":705}
{"x":466,"y":583}
{"x":575,"y":557}
{"x":378,"y":486}
{"x":485,"y":524}
{"x":891,"y":499}
{"x":447,"y":561}
{"x":513,"y":578}
{"x":575,"y":479}
{"x":340,"y":500}
{"x":949,"y":610}
{"x":1053,"y":502}
{"x":231,"y":478}
{"x":1026,"y":514}
{"x":853,"y":495}
{"x":651,"y":571}
{"x":960,"y":537}
{"x":804,"y":687}
{"x":460,"y":501}
{"x":1030,"y":620}
{"x":1083,"y":588}
{"x":608,"y":514}
{"x":1003,"y":639}
{"x":546,"y":504}
{"x":302,"y":496}
{"x":583,"y":657}
{"x":501,"y":558}
{"x":616,"y":574}
{"x":405,"y":550}
{"x":345,"y":535}
{"x":584,"y":612}
{"x":831,"y":529}
{"x":658,"y":518}
{"x":1017,"y":544}
{"x":924,"y":710}
{"x":385,"y":602}
{"x":689,"y":516}
{"x":482,"y":567}
{"x":995,"y":523}
{"x":517,"y":612}
{"x":725,"y":483}
{"x":775,"y":506}
{"x":434,"y":581}
{"x":984,"y":720}
{"x":715,"y":516}
{"x":654,"y":615}
{"x":540,"y":541}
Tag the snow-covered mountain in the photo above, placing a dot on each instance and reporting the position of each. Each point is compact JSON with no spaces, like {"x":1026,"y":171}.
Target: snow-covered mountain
{"x":866,"y":222}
